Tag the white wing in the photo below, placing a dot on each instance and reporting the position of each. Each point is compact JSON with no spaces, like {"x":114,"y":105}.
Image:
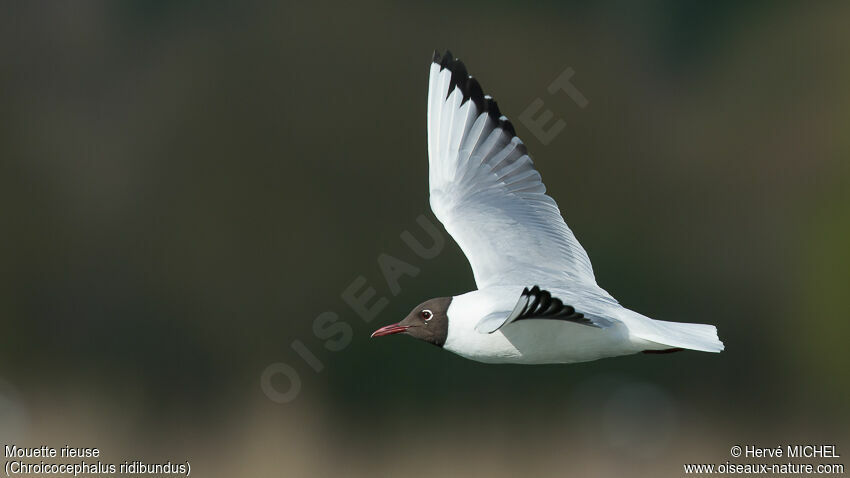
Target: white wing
{"x":486,"y":192}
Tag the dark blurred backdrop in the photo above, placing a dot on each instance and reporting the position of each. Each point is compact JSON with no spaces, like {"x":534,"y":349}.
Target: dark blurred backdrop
{"x":186,"y":186}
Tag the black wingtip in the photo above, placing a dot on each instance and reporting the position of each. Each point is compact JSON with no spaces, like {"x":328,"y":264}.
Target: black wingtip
{"x":541,"y":305}
{"x":492,"y":108}
{"x":506,"y":125}
{"x":459,"y":76}
{"x":446,"y":60}
{"x":471,"y":89}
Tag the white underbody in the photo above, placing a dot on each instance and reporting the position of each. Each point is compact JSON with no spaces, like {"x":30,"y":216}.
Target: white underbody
{"x":539,"y":341}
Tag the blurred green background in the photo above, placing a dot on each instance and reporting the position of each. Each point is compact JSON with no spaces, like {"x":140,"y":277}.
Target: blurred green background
{"x":186,"y":186}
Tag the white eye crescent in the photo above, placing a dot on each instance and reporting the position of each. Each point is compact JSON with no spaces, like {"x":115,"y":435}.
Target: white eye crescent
{"x":427,"y":315}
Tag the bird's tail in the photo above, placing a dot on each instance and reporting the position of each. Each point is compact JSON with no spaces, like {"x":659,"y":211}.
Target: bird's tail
{"x":702,"y":337}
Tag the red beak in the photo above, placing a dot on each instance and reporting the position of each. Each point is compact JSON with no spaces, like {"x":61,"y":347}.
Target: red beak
{"x":389,"y":330}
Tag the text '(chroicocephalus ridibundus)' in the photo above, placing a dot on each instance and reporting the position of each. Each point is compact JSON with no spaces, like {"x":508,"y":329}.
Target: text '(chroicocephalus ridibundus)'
{"x":537,"y":299}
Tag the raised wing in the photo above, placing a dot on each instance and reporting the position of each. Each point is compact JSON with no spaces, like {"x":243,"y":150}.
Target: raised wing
{"x":486,"y":192}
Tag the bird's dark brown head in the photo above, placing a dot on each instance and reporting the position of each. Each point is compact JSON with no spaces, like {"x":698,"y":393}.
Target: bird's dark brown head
{"x":427,"y":321}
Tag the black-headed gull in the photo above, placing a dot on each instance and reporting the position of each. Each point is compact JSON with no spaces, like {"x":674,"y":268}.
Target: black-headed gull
{"x":537,"y":299}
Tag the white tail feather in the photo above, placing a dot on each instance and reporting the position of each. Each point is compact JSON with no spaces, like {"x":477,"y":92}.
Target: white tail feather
{"x":702,"y":337}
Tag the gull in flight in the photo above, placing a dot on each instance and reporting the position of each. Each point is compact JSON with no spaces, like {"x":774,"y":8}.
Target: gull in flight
{"x":537,"y":300}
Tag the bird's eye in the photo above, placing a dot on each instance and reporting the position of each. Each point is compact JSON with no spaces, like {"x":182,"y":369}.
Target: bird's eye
{"x":426,"y":314}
